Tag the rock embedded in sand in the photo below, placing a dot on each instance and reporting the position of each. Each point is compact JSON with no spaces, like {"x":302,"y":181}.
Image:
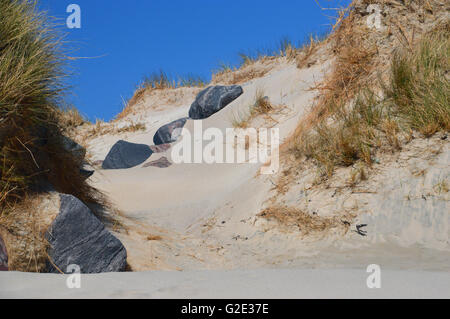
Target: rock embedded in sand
{"x":126,"y":155}
{"x":163,"y":162}
{"x":169,"y":133}
{"x":77,"y":237}
{"x":3,"y":256}
{"x":212,"y":99}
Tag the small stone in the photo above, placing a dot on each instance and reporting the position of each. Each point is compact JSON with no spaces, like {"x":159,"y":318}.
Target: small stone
{"x":163,"y":162}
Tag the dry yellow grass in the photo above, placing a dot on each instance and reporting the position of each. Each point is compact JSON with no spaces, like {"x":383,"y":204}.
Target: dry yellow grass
{"x":249,"y":70}
{"x":306,"y":224}
{"x":303,"y":57}
{"x":158,"y":81}
{"x":23,"y":228}
{"x":349,"y":122}
{"x":70,"y":118}
{"x":128,"y":106}
{"x":416,"y":98}
{"x":32,"y":153}
{"x":134,"y":127}
{"x":32,"y":150}
{"x":255,"y":65}
{"x":101,"y":128}
{"x":154,"y":238}
{"x":261,"y":106}
{"x":350,"y":72}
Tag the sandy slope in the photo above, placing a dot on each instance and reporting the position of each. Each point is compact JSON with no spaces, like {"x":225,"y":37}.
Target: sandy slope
{"x":183,"y":198}
{"x":206,"y":214}
{"x":193,"y":217}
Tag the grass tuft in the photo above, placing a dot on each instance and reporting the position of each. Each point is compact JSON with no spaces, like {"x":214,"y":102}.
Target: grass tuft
{"x":159,"y":81}
{"x":417,"y":98}
{"x":33,"y":159}
{"x":261,"y":106}
{"x":307,"y":224}
{"x":420,"y":86}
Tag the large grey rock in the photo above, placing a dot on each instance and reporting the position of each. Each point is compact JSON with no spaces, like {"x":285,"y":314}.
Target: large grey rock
{"x":169,"y":133}
{"x":126,"y":155}
{"x":77,"y":237}
{"x":76,"y":149}
{"x":3,"y":256}
{"x":212,"y":99}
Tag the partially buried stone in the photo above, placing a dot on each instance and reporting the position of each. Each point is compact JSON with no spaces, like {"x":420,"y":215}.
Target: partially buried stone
{"x":169,"y":133}
{"x":213,"y":99}
{"x":163,"y":162}
{"x":126,"y":155}
{"x":77,"y":237}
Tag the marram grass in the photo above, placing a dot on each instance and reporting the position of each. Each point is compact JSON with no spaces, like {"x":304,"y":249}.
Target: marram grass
{"x":32,"y":156}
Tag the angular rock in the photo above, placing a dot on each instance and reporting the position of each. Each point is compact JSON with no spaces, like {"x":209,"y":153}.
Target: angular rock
{"x":169,"y":133}
{"x":77,"y":237}
{"x":76,"y":149}
{"x":3,"y":256}
{"x":212,"y":99}
{"x":163,"y":162}
{"x":126,"y":155}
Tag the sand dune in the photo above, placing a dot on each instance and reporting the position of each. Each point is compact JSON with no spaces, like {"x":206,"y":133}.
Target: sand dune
{"x":206,"y":214}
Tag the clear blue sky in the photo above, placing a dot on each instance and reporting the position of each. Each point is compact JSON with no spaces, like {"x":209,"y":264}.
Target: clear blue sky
{"x":138,"y":37}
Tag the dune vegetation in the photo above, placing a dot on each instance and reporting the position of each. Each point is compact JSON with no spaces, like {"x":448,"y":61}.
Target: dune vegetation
{"x":159,"y":81}
{"x":32,"y":72}
{"x":251,"y":65}
{"x":416,"y":98}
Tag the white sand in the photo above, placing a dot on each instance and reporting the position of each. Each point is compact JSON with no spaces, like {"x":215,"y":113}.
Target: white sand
{"x":245,"y":284}
{"x":206,"y":217}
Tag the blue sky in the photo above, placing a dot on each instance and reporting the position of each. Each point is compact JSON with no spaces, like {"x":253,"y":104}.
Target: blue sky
{"x":134,"y":38}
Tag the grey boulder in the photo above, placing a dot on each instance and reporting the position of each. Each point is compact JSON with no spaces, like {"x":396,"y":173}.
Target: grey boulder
{"x":126,"y":155}
{"x":77,"y":237}
{"x":212,"y":99}
{"x":3,"y":256}
{"x":169,"y":133}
